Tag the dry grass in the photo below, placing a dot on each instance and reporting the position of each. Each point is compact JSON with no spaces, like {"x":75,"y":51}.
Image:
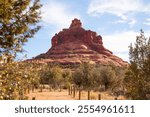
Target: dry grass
{"x":95,"y":95}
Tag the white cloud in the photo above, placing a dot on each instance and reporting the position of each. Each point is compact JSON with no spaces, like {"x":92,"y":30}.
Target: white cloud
{"x":119,"y":42}
{"x":58,"y":14}
{"x":125,"y":9}
{"x":147,"y":22}
{"x":148,"y":19}
{"x":130,"y":21}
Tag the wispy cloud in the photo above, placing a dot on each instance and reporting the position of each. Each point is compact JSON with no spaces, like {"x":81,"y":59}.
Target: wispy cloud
{"x":119,"y":42}
{"x":58,"y":14}
{"x":130,"y":21}
{"x":147,"y":22}
{"x":124,"y":9}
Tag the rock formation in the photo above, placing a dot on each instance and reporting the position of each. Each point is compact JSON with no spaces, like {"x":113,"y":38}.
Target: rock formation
{"x":76,"y":45}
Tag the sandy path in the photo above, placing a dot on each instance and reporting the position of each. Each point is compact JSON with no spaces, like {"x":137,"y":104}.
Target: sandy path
{"x":63,"y":95}
{"x":53,"y":95}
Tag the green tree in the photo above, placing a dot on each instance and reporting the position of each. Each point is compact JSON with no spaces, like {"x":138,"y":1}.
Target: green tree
{"x":56,"y":76}
{"x":117,"y":86}
{"x":83,"y":77}
{"x":105,"y":77}
{"x":137,"y":79}
{"x":18,"y":23}
{"x":51,"y":75}
{"x":67,"y":78}
{"x":93,"y":77}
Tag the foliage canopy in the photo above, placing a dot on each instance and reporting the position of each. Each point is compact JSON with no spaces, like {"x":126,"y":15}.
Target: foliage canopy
{"x":18,"y":23}
{"x":137,"y":79}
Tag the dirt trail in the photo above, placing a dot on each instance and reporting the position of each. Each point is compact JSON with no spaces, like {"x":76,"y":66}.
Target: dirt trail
{"x":53,"y":95}
{"x":63,"y":95}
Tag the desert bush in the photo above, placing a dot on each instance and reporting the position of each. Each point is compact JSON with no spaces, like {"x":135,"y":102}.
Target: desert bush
{"x":15,"y":78}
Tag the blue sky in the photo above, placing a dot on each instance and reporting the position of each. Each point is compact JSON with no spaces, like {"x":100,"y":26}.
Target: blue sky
{"x":117,"y":21}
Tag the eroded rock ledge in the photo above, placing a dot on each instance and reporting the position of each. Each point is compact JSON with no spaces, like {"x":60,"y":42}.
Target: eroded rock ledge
{"x":76,"y":45}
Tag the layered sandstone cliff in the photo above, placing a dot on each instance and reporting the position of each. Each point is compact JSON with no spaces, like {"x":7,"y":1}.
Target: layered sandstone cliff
{"x":76,"y":45}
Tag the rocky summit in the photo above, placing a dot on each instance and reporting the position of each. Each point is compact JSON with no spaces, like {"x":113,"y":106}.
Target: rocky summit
{"x":75,"y":45}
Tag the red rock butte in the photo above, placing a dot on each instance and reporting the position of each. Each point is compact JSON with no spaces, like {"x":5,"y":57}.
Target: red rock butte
{"x":76,"y":45}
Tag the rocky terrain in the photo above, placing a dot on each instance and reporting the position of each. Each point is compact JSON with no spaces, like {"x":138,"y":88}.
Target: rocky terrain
{"x":76,"y":45}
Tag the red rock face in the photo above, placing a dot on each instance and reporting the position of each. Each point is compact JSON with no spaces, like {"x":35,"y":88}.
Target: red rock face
{"x":76,"y":24}
{"x":76,"y":45}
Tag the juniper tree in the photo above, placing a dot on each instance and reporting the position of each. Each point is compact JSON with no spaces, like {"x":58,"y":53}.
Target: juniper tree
{"x":18,"y":23}
{"x":51,"y":75}
{"x":137,"y":79}
{"x":83,"y":77}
